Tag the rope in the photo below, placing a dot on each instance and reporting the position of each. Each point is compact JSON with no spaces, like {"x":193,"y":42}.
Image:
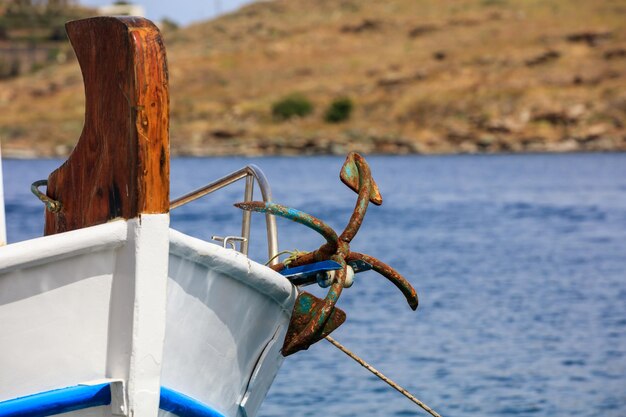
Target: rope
{"x":383,"y":377}
{"x":293,"y":254}
{"x":282,"y":252}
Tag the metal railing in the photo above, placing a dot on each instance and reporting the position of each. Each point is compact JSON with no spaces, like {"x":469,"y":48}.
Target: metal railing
{"x":250,"y":173}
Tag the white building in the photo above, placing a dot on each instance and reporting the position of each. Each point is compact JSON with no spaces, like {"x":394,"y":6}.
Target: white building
{"x":122,"y":8}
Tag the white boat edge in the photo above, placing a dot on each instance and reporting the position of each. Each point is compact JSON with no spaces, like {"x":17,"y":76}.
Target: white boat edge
{"x":99,"y":304}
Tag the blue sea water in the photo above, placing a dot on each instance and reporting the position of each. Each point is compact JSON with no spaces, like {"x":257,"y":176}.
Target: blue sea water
{"x":519,"y":261}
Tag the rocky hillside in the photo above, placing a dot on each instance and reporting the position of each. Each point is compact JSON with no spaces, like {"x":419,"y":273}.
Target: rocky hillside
{"x":419,"y":76}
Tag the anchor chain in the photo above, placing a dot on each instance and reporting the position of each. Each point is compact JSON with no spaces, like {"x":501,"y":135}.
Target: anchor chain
{"x":313,"y":318}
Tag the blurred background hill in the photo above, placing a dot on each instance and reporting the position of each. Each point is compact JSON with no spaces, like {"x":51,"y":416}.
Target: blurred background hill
{"x":322,"y":76}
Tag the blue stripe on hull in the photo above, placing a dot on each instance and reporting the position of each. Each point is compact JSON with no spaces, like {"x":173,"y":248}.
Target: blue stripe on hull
{"x":57,"y":401}
{"x":184,"y":406}
{"x":80,"y":397}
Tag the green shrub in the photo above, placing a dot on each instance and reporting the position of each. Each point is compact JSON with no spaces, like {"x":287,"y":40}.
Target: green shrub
{"x":339,"y":110}
{"x":9,"y":69}
{"x":53,"y":54}
{"x":292,"y":106}
{"x":37,"y":66}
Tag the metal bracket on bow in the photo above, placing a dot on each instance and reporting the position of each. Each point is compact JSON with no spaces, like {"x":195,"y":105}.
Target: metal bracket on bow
{"x":314,"y":318}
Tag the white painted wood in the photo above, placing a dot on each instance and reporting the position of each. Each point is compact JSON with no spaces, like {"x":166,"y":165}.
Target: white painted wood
{"x":103,"y":411}
{"x":49,"y":249}
{"x":84,"y":305}
{"x":223,"y":311}
{"x":54,"y":319}
{"x":150,"y":242}
{"x":119,"y":404}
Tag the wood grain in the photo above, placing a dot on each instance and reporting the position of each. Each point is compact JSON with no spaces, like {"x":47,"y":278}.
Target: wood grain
{"x":120,"y":166}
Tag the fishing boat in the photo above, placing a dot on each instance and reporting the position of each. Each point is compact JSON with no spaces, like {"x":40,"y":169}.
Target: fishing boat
{"x":112,"y":312}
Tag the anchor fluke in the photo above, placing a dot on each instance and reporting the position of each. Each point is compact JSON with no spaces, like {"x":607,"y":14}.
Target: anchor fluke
{"x":304,"y":309}
{"x":350,"y":174}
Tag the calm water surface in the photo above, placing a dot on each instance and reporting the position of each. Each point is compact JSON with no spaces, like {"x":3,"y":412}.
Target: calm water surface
{"x":519,"y":262}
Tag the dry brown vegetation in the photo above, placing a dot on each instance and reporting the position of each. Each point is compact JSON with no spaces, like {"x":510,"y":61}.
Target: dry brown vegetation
{"x":425,"y":76}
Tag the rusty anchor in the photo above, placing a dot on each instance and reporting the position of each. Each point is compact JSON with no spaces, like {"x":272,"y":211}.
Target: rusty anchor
{"x":314,"y":318}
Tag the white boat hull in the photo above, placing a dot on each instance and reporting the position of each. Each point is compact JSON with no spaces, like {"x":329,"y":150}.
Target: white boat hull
{"x":101,"y":306}
{"x":227,"y":317}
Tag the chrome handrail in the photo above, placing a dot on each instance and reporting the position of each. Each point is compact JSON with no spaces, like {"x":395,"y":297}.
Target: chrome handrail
{"x":250,"y":173}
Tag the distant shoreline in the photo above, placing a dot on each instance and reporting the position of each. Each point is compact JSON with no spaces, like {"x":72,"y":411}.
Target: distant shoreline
{"x":9,"y":154}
